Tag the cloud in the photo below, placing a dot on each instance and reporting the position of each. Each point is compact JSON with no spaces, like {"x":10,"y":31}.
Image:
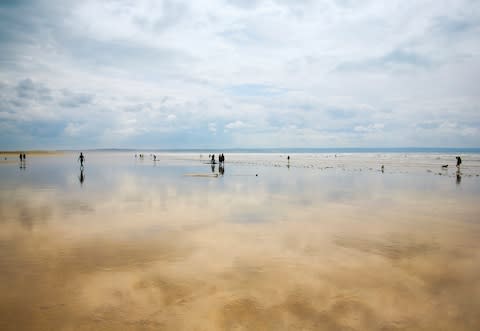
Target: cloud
{"x":236,"y":125}
{"x":369,"y":128}
{"x":212,"y":127}
{"x":255,"y":90}
{"x":245,"y":4}
{"x":297,"y":73}
{"x":71,"y":99}
{"x":396,"y":59}
{"x":453,"y":26}
{"x":27,"y":89}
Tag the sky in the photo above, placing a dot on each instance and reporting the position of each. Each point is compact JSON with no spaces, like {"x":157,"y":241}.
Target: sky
{"x":233,"y":74}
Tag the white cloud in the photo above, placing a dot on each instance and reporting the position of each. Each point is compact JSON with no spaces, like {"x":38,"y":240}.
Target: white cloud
{"x":72,"y":129}
{"x":329,"y":72}
{"x":212,"y":127}
{"x":369,"y":128}
{"x":236,"y":125}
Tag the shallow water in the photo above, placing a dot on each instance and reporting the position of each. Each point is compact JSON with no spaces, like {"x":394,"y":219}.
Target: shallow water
{"x":322,"y":243}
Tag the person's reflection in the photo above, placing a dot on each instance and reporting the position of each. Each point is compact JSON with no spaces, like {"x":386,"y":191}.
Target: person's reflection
{"x":221,"y":170}
{"x":81,"y":178}
{"x":459,"y":177}
{"x":213,"y":167}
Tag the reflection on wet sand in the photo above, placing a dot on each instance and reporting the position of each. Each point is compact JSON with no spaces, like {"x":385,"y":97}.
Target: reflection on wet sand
{"x":81,"y":177}
{"x":244,"y":258}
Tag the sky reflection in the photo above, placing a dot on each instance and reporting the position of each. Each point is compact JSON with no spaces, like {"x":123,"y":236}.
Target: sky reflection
{"x":137,"y":246}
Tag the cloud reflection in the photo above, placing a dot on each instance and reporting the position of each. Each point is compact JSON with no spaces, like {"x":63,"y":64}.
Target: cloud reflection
{"x":186,"y":256}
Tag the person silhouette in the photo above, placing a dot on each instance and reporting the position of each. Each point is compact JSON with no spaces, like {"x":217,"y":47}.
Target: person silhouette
{"x":459,"y":161}
{"x":82,"y":159}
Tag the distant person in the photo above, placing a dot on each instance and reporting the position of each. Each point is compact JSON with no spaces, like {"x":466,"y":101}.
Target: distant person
{"x":21,"y":157}
{"x":154,"y":157}
{"x":288,"y":158}
{"x":459,"y":161}
{"x":213,"y":158}
{"x":81,"y":158}
{"x":25,"y":157}
{"x":223,"y":158}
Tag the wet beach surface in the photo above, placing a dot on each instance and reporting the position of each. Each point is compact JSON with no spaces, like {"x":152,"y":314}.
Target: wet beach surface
{"x":319,"y":243}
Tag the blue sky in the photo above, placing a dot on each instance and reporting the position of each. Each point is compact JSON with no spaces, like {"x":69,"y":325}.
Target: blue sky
{"x":251,"y":73}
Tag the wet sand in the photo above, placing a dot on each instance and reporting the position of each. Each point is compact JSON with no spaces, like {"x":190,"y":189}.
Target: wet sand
{"x":13,"y":156}
{"x":138,"y":245}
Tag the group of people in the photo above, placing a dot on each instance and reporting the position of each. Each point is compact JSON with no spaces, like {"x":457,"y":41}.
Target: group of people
{"x":142,"y":156}
{"x":221,"y":158}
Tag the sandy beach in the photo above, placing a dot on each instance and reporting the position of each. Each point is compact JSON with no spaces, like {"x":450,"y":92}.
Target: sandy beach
{"x":323,"y":242}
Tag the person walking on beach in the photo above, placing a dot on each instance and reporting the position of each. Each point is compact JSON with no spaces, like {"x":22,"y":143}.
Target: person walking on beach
{"x":213,"y":158}
{"x":81,"y":158}
{"x":21,"y":157}
{"x":459,"y":161}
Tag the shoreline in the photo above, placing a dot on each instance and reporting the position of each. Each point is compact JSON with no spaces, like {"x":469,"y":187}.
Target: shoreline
{"x":32,"y":152}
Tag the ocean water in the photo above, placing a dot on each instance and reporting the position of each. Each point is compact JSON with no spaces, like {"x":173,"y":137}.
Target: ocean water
{"x":325,"y":241}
